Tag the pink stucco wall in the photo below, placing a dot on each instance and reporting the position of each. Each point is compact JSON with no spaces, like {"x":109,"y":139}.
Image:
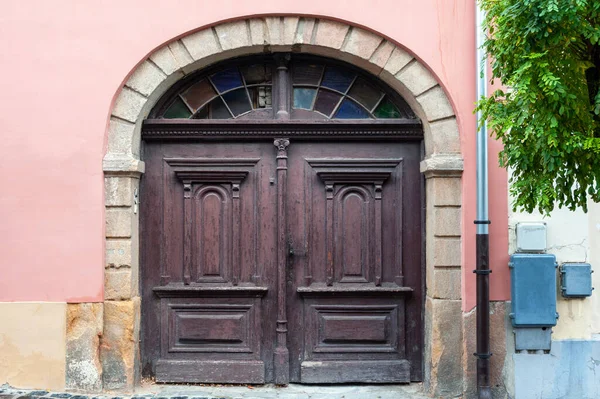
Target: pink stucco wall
{"x":63,"y":63}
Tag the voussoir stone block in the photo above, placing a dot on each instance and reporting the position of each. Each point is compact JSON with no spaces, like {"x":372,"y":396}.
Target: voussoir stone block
{"x":118,"y":284}
{"x":435,"y":104}
{"x":443,"y":137}
{"x":257,"y":31}
{"x":305,"y":30}
{"x":164,"y":59}
{"x":120,"y":137}
{"x":119,"y":223}
{"x":129,"y":105}
{"x":290,"y":25}
{"x":118,"y":191}
{"x":180,"y":53}
{"x":416,"y":78}
{"x":84,"y":331}
{"x":331,"y":34}
{"x":398,"y":60}
{"x":443,"y":333}
{"x":362,"y":43}
{"x":203,"y":43}
{"x":146,"y":78}
{"x":118,"y":253}
{"x":274,"y":30}
{"x":231,"y":35}
{"x":383,"y":53}
{"x":119,"y":346}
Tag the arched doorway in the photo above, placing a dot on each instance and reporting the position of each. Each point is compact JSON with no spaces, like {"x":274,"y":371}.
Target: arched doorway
{"x":282,"y":227}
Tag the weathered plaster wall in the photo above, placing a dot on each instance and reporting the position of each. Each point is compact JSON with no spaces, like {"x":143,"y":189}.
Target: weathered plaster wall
{"x":63,"y":64}
{"x":32,"y":344}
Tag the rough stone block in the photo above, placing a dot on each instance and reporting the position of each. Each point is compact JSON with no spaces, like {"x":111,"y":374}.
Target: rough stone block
{"x":362,"y":43}
{"x":446,"y":252}
{"x":416,"y":78}
{"x":119,"y":223}
{"x":84,"y":330}
{"x":290,"y":25}
{"x":118,"y":253}
{"x":331,"y":34}
{"x":180,"y":53}
{"x":129,"y":105}
{"x":165,"y":60}
{"x":447,"y":221}
{"x":231,"y":36}
{"x":274,"y":30}
{"x":499,"y":323}
{"x":203,"y":43}
{"x":443,"y":137}
{"x":442,"y":165}
{"x":305,"y":30}
{"x":444,"y":283}
{"x":443,"y":333}
{"x":381,"y":56}
{"x":118,"y":191}
{"x":119,"y":284}
{"x":398,"y":59}
{"x":119,"y":346}
{"x":257,"y":31}
{"x":120,"y":135}
{"x":435,"y":104}
{"x":445,"y":191}
{"x":146,"y":78}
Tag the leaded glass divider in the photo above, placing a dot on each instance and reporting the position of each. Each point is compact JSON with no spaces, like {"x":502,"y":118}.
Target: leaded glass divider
{"x":320,"y":89}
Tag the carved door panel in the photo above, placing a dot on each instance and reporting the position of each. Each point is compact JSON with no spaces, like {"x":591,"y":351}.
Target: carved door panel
{"x":210,"y":293}
{"x":354,"y":273}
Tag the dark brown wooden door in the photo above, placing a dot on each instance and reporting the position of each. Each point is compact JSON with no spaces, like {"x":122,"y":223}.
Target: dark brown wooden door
{"x":296,"y":262}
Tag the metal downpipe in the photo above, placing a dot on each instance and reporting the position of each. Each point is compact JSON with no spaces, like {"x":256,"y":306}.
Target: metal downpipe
{"x":482,"y":222}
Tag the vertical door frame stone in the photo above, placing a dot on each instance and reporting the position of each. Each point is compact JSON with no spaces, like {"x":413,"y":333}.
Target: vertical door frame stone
{"x":442,"y":168}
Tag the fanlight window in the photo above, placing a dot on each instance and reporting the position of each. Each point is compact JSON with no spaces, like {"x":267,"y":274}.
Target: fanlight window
{"x":315,"y":89}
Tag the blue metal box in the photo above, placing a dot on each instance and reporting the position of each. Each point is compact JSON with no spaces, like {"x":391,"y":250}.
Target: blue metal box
{"x":533,"y":288}
{"x":576,"y":280}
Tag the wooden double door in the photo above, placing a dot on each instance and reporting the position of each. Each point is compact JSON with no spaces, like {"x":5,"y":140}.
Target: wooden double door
{"x":282,"y":260}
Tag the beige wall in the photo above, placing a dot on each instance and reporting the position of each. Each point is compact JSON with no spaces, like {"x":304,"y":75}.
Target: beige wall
{"x":573,"y":236}
{"x":32,"y":344}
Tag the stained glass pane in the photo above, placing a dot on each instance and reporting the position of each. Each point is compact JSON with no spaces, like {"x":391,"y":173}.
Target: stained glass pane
{"x":303,"y":98}
{"x":199,"y":94}
{"x":387,"y":109}
{"x":177,"y":110}
{"x":351,"y":110}
{"x":226,"y":79}
{"x":237,"y":101}
{"x":260,"y":97}
{"x":365,"y":93}
{"x":326,"y":101}
{"x":337,"y":79}
{"x":257,"y":74}
{"x":216,"y":109}
{"x":307,"y":74}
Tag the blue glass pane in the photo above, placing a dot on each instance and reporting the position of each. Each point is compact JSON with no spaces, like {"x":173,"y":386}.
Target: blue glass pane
{"x":237,"y":101}
{"x":351,"y":110}
{"x":215,"y":109}
{"x":303,"y":98}
{"x":227,"y":79}
{"x":337,"y":79}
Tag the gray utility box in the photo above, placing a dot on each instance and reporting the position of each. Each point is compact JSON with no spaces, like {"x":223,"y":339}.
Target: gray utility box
{"x":533,"y":289}
{"x":531,"y":237}
{"x":576,"y":280}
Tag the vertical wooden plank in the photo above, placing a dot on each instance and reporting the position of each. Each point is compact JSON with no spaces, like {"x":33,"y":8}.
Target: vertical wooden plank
{"x":236,"y":262}
{"x":187,"y":235}
{"x":281,"y":355}
{"x":329,"y":223}
{"x":378,"y":234}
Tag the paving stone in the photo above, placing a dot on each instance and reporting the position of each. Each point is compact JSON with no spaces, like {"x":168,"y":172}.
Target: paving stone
{"x":37,"y":393}
{"x":61,"y":395}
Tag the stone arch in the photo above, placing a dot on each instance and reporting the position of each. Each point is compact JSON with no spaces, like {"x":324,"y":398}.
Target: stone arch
{"x":442,"y":167}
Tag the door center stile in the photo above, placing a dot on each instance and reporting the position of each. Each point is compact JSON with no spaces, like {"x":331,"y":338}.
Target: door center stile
{"x":281,"y":353}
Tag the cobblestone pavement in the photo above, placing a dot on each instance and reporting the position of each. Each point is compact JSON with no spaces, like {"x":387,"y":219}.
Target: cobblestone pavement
{"x":292,"y":391}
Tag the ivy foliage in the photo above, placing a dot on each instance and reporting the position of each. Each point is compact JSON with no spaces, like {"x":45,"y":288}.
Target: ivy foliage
{"x":548,"y":53}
